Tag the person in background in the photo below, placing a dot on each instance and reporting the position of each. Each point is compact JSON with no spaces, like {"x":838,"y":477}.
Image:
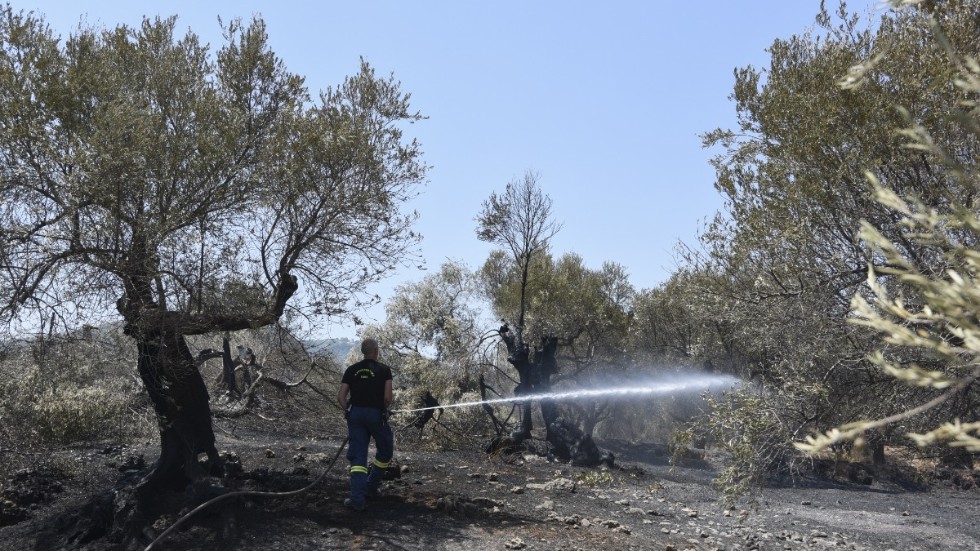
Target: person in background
{"x":365,"y":395}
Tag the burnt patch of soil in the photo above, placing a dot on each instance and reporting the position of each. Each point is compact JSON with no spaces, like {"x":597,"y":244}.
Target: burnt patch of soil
{"x":29,"y":489}
{"x":467,"y":500}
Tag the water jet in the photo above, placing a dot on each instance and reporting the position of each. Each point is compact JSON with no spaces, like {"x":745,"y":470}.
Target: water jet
{"x":664,"y":386}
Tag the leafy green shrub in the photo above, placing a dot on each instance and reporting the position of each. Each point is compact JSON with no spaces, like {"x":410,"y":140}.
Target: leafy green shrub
{"x":77,"y":414}
{"x":594,"y":479}
{"x":746,"y":426}
{"x":68,"y":388}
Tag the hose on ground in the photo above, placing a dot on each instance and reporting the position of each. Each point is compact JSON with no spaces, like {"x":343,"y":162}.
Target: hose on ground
{"x":210,"y":502}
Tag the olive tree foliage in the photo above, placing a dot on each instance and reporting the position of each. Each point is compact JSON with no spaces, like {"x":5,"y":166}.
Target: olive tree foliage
{"x":676,"y":328}
{"x":588,"y":310}
{"x":520,"y":221}
{"x":780,"y":266}
{"x":672,"y":326}
{"x":926,"y":312}
{"x":592,"y":309}
{"x":432,"y":332}
{"x":133,"y":151}
{"x":189,"y":191}
{"x":793,"y":172}
{"x":435,"y":340}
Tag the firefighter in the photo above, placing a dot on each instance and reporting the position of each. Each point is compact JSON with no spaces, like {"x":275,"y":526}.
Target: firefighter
{"x":365,"y":395}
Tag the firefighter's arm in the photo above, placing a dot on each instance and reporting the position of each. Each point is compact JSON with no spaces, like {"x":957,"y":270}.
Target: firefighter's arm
{"x":388,"y":394}
{"x":342,"y":395}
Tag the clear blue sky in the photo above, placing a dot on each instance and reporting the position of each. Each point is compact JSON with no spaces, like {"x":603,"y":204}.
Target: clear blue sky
{"x":604,"y":100}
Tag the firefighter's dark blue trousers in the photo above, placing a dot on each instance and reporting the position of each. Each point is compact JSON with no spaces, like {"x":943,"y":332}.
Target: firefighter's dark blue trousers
{"x":362,"y":425}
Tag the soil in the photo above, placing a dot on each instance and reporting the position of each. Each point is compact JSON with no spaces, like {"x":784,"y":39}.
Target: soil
{"x":468,"y":500}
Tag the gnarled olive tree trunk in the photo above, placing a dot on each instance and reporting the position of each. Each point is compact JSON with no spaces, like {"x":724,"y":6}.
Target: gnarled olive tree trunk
{"x":174,"y":384}
{"x":182,"y":404}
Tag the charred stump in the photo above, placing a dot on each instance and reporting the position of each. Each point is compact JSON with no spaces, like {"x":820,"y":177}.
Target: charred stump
{"x":570,"y":444}
{"x":534,"y":379}
{"x":518,"y":355}
{"x":246,"y":358}
{"x":567,"y":441}
{"x":431,"y":404}
{"x":546,"y":366}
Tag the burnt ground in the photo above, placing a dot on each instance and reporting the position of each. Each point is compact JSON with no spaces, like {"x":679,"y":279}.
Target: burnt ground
{"x":467,"y":500}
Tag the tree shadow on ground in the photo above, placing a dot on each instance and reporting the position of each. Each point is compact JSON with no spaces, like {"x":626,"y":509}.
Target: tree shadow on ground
{"x":826,"y":474}
{"x":315,"y":519}
{"x":656,"y":454}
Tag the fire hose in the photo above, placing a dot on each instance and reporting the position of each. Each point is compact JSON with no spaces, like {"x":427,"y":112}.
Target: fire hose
{"x":210,"y":502}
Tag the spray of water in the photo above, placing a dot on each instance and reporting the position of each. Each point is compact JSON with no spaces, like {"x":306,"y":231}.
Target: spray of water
{"x":674,"y":385}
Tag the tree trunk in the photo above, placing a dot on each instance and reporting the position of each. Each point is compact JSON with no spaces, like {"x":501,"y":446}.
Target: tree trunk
{"x":519,"y":356}
{"x":181,"y":401}
{"x":535,"y":378}
{"x":228,"y":367}
{"x":546,"y":365}
{"x":878,"y":454}
{"x":590,"y":418}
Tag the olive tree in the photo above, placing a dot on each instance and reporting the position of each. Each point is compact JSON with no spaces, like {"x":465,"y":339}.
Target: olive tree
{"x":433,"y":329}
{"x":786,"y":258}
{"x":519,"y":220}
{"x":927,"y":312}
{"x":436,"y":342}
{"x":186,"y":191}
{"x":587,"y":310}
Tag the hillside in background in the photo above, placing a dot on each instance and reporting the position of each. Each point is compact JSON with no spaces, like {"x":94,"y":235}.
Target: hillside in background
{"x":338,"y":349}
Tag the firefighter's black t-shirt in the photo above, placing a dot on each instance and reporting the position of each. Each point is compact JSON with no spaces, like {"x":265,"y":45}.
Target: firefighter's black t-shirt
{"x":367,"y":379}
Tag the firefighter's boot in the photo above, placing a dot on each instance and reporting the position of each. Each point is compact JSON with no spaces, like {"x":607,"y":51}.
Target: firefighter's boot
{"x":374,"y":478}
{"x":358,"y":487}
